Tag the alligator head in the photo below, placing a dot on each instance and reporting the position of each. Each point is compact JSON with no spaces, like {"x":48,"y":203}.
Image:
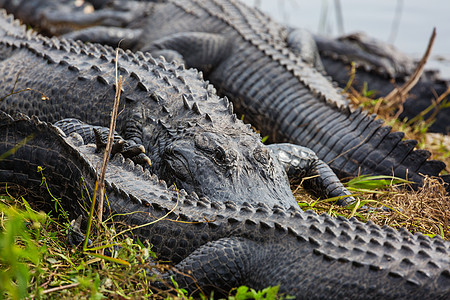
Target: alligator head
{"x":226,"y":166}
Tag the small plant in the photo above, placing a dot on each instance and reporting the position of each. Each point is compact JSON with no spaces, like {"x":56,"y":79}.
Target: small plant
{"x":244,"y":293}
{"x":20,"y":249}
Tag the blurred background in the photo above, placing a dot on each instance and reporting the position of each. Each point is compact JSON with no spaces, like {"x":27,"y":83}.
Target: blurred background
{"x":407,"y":24}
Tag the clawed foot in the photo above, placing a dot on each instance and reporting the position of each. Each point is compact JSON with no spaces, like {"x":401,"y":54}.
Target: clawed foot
{"x":128,"y":148}
{"x":98,"y":134}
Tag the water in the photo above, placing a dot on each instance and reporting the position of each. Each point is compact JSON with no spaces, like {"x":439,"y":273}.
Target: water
{"x":407,"y":24}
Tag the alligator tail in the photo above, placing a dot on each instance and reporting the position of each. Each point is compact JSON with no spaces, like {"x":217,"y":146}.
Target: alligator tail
{"x":354,"y":143}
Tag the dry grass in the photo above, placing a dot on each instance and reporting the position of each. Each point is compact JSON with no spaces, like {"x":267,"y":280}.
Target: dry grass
{"x":426,"y":210}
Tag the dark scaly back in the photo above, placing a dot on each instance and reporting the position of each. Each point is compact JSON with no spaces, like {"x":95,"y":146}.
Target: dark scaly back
{"x":311,"y":256}
{"x":291,"y":102}
{"x":163,"y":106}
{"x":169,"y":91}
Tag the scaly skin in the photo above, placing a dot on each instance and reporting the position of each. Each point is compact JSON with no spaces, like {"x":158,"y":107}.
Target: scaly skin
{"x":190,"y":134}
{"x":310,"y":256}
{"x":255,"y":61}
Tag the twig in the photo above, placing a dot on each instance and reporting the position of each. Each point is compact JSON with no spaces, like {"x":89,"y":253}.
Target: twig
{"x":437,"y":104}
{"x":49,"y":280}
{"x":109,"y":144}
{"x":59,"y":288}
{"x":398,"y":95}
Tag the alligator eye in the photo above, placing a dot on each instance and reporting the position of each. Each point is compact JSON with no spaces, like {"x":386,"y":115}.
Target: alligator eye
{"x":261,"y":155}
{"x":219,"y":153}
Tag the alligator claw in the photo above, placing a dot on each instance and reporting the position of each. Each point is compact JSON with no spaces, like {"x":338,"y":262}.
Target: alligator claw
{"x":128,"y":148}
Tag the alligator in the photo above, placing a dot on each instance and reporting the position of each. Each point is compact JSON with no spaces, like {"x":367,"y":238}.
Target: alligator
{"x":223,"y":245}
{"x":257,"y":63}
{"x":191,"y":136}
{"x":383,"y":68}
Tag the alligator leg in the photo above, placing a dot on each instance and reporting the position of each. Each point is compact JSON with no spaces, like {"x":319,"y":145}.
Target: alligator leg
{"x":99,"y":136}
{"x":302,"y":43}
{"x":106,"y":35}
{"x":302,"y":163}
{"x":201,"y":50}
{"x":124,"y":37}
{"x":196,"y":49}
